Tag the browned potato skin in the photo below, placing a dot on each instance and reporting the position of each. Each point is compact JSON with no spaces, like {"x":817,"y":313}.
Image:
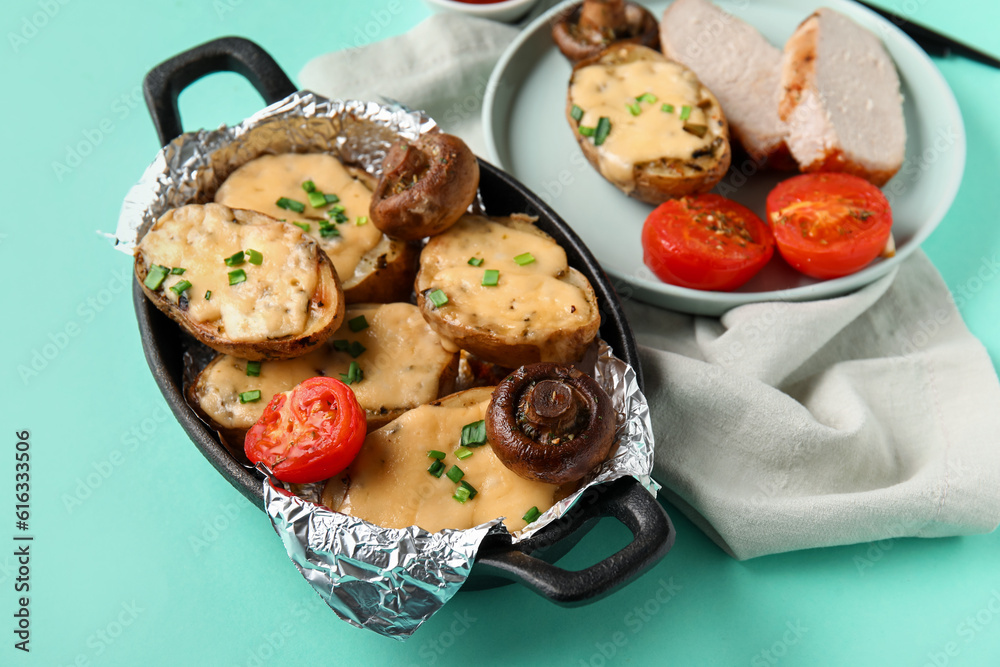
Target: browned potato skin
{"x":376,"y":418}
{"x":326,"y":310}
{"x":390,"y":279}
{"x":505,"y":351}
{"x":668,"y":178}
{"x":393,"y":264}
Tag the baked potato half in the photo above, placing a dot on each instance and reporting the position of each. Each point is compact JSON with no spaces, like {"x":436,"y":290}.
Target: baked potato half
{"x":501,"y":289}
{"x":403,"y":364}
{"x":239,"y":281}
{"x":388,"y":483}
{"x":647,"y":124}
{"x":329,"y":201}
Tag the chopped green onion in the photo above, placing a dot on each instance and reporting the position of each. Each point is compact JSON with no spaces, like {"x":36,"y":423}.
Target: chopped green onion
{"x":339,"y":208}
{"x":309,"y":186}
{"x":576,"y":113}
{"x":253,"y":369}
{"x":531,"y":515}
{"x":250,"y":396}
{"x":437,"y":297}
{"x":586,"y":131}
{"x":290,"y":204}
{"x":685,"y":112}
{"x":455,"y":474}
{"x":362,"y":220}
{"x":234,"y":260}
{"x":353,"y":374}
{"x":490,"y":278}
{"x":646,"y":97}
{"x":357,"y":324}
{"x":468,"y":487}
{"x":316,"y":199}
{"x":667,"y":108}
{"x":177,"y":271}
{"x":524,"y":258}
{"x":155,"y":277}
{"x":476,"y":261}
{"x":331,"y":199}
{"x":327,"y":232}
{"x":208,"y":295}
{"x":351,"y":347}
{"x":238,"y":276}
{"x":436,"y":468}
{"x":474,"y":434}
{"x":304,"y":226}
{"x":602,"y":131}
{"x":435,"y":454}
{"x":179,"y":288}
{"x":254,"y":257}
{"x":463,"y":453}
{"x":633,"y":108}
{"x":462,"y":494}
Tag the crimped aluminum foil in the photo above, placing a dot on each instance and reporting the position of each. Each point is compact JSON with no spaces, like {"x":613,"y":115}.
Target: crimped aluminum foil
{"x":191,"y":168}
{"x":386,"y":580}
{"x":392,"y":580}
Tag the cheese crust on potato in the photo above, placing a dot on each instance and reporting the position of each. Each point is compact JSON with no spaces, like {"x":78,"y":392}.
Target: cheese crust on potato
{"x":388,"y":483}
{"x":539,"y":309}
{"x":647,"y":124}
{"x":239,"y":281}
{"x":403,"y":362}
{"x":372,"y":267}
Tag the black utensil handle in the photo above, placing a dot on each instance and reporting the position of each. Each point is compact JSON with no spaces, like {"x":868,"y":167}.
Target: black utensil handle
{"x":165,"y":82}
{"x":652,"y":536}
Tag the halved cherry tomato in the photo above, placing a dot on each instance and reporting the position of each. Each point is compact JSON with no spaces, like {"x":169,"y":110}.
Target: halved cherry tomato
{"x":829,"y":225}
{"x":705,"y":242}
{"x":310,"y":433}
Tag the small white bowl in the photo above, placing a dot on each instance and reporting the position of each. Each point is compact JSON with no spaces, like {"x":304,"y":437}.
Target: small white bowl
{"x":507,"y":11}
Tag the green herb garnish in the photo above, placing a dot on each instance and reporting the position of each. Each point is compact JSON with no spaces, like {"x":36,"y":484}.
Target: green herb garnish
{"x":155,"y":277}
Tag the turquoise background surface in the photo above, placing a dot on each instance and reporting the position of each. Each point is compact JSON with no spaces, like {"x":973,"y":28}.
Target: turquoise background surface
{"x":143,"y":555}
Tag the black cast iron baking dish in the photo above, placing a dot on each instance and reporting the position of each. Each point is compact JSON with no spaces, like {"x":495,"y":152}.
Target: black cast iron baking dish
{"x":498,"y":561}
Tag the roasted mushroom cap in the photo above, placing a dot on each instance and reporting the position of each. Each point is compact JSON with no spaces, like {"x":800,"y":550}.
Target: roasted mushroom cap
{"x":586,"y":29}
{"x":550,"y":423}
{"x":425,"y":186}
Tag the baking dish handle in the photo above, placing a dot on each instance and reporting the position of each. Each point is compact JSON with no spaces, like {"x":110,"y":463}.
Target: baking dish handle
{"x":165,"y":82}
{"x":625,"y":500}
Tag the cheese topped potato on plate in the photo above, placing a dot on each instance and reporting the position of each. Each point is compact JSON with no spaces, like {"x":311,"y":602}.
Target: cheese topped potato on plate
{"x":330,"y":202}
{"x":647,"y":124}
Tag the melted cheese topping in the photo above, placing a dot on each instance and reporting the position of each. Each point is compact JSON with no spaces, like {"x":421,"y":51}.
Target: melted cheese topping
{"x":607,"y":90}
{"x":402,"y":363}
{"x":259,"y":184}
{"x":390,"y":486}
{"x":529,"y":301}
{"x":274,"y":300}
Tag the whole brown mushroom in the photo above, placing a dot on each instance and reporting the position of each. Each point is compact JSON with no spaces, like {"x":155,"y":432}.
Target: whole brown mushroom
{"x":551,"y":423}
{"x":425,"y":186}
{"x":586,"y":29}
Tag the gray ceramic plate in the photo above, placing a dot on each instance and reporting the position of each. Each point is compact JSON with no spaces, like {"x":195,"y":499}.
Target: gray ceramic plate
{"x":527,"y":134}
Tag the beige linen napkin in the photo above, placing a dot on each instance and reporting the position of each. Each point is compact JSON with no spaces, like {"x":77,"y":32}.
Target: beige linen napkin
{"x":779,"y":426}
